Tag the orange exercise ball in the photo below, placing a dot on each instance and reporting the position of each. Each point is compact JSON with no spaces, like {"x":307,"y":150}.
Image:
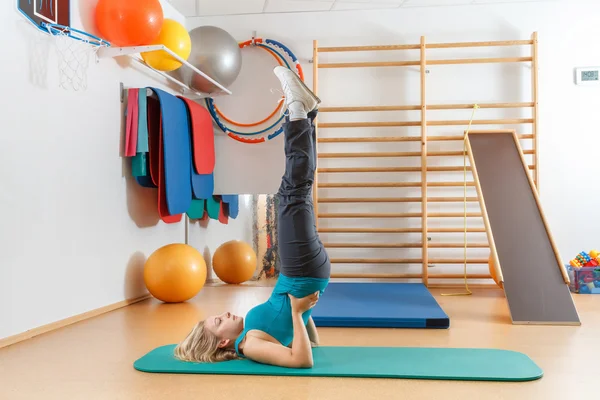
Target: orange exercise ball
{"x":234,"y":262}
{"x":129,"y":22}
{"x":493,"y":271}
{"x":175,"y":273}
{"x":176,"y":38}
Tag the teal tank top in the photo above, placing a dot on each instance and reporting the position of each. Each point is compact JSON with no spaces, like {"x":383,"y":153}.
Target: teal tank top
{"x":274,"y":316}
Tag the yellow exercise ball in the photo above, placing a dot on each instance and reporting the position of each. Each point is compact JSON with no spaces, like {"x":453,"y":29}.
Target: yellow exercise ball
{"x":177,"y":39}
{"x":493,"y":271}
{"x":234,"y":262}
{"x":175,"y":273}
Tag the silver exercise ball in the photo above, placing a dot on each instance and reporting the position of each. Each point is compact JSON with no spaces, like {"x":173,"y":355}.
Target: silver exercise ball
{"x":214,"y":52}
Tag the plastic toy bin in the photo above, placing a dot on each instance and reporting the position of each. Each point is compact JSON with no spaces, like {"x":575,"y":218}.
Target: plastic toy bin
{"x":585,"y":280}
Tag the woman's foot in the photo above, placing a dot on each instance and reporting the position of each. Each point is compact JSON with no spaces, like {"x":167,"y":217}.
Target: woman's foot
{"x":299,"y":99}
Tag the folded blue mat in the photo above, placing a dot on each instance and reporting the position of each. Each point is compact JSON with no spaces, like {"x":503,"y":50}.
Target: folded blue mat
{"x":233,"y":201}
{"x":177,"y":154}
{"x":379,"y":305}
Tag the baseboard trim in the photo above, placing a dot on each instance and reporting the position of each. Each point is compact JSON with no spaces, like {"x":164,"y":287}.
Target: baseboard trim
{"x":69,"y":321}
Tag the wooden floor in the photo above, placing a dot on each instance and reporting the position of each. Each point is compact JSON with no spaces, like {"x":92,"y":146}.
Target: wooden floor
{"x":93,"y":359}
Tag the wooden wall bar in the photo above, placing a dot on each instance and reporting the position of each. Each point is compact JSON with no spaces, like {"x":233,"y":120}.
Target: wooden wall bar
{"x":427,"y":197}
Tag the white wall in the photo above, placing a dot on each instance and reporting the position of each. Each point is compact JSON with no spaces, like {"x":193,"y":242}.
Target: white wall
{"x":76,"y":227}
{"x":568,"y":113}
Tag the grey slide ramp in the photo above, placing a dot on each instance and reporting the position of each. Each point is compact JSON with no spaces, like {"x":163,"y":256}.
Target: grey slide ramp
{"x":534,"y":278}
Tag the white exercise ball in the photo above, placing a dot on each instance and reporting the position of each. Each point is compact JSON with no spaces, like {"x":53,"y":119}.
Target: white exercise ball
{"x":214,"y":52}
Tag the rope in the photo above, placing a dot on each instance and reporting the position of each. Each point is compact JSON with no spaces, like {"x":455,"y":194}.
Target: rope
{"x":467,"y":291}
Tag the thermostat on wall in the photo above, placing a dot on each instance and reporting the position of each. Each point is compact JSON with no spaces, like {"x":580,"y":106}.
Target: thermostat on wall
{"x":587,"y":76}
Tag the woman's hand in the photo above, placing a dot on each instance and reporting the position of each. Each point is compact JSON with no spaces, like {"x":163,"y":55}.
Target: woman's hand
{"x":305,"y":303}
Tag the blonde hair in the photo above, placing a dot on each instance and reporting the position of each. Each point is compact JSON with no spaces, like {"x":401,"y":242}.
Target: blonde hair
{"x":201,"y":345}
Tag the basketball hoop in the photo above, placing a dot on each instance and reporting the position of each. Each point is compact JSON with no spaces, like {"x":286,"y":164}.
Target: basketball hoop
{"x":74,"y":48}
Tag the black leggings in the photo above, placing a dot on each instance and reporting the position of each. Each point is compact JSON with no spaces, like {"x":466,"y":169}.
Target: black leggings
{"x":301,"y":251}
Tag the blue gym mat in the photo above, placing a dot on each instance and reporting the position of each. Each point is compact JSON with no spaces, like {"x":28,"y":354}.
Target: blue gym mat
{"x":379,"y":305}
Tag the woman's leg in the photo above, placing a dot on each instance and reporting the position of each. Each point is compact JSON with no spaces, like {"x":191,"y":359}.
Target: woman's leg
{"x":301,"y":251}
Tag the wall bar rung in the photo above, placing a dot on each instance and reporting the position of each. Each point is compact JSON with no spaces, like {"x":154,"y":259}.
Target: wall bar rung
{"x":370,"y":185}
{"x":479,"y":44}
{"x":373,"y":245}
{"x":371,"y":199}
{"x":458,"y":260}
{"x":415,"y":276}
{"x":461,"y":138}
{"x":428,"y":46}
{"x":375,"y":276}
{"x":370,"y":215}
{"x":429,"y":107}
{"x":465,"y":122}
{"x":499,"y":60}
{"x":370,"y":139}
{"x":376,"y":260}
{"x":452,"y":199}
{"x":458,"y":245}
{"x":395,"y":169}
{"x":400,"y":139}
{"x":370,"y":64}
{"x":390,"y":124}
{"x":338,"y":185}
{"x":369,"y":48}
{"x":459,"y":153}
{"x":456,"y":230}
{"x":371,"y":154}
{"x":395,"y":199}
{"x":370,"y":230}
{"x":453,"y":215}
{"x":369,"y":169}
{"x":384,"y":154}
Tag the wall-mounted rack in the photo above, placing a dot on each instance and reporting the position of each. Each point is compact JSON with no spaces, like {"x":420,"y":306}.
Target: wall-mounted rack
{"x":134,"y":53}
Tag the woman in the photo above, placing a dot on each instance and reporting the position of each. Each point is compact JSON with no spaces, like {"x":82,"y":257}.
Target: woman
{"x":280,"y":331}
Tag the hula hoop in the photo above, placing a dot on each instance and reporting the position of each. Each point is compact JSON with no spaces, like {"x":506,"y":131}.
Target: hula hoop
{"x":211,"y":105}
{"x":234,"y":134}
{"x":279,"y":58}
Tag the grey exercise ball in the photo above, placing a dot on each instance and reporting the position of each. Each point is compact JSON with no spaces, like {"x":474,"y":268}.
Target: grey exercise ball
{"x":214,"y":52}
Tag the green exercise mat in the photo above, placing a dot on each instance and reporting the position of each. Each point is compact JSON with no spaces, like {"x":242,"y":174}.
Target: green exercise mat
{"x":369,"y":362}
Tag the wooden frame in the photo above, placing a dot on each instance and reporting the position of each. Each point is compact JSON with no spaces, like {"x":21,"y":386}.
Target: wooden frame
{"x":530,"y":133}
{"x":316,"y":91}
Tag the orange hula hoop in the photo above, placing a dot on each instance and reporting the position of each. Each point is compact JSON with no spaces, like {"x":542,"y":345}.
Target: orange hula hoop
{"x":246,"y":125}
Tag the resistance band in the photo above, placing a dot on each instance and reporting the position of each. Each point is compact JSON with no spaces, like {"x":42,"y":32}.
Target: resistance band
{"x":468,"y":292}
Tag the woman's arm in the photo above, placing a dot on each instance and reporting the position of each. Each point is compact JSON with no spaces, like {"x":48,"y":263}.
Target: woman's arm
{"x":300,"y":355}
{"x":313,"y":335}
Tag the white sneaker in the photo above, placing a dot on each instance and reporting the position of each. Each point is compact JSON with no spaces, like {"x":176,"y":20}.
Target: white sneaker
{"x":295,"y":90}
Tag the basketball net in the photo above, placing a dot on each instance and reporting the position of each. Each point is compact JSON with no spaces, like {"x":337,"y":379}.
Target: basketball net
{"x":74,"y":49}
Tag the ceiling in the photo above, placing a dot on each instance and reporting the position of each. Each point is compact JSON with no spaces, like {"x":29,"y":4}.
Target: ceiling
{"x":201,"y":8}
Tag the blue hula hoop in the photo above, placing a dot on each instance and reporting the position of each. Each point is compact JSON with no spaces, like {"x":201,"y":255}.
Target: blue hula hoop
{"x":210,"y":102}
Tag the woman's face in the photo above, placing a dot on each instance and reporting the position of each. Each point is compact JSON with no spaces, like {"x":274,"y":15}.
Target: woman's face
{"x":227,"y":327}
